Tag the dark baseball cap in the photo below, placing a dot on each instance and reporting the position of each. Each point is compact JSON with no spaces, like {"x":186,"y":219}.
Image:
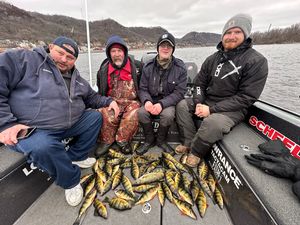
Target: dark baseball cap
{"x":62,"y":41}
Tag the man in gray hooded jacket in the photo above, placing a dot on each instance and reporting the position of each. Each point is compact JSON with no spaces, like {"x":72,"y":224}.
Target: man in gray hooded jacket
{"x":43,"y":89}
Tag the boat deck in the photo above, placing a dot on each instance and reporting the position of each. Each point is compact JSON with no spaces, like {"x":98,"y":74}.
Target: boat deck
{"x":274,"y":193}
{"x":51,"y":208}
{"x":260,"y":199}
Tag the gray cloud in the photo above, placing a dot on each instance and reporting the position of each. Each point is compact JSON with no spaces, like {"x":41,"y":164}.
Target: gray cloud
{"x":178,"y":18}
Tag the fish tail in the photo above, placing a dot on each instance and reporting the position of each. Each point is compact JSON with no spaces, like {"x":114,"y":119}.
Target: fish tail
{"x":95,"y":213}
{"x":77,"y":221}
{"x":106,"y":199}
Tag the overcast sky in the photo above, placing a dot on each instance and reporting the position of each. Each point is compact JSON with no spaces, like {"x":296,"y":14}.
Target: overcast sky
{"x":178,"y":18}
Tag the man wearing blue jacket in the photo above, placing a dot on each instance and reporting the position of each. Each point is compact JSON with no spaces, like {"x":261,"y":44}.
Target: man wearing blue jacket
{"x":43,"y":89}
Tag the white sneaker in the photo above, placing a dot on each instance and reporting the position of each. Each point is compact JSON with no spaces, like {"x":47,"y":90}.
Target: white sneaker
{"x":74,"y":195}
{"x":87,"y":163}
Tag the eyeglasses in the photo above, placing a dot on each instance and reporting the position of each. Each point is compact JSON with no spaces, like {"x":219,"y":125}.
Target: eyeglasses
{"x":165,"y":45}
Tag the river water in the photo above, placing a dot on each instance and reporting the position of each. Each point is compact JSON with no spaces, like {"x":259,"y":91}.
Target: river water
{"x":283,"y":83}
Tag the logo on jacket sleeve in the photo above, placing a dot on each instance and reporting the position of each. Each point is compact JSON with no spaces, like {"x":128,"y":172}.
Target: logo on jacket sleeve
{"x":198,"y":90}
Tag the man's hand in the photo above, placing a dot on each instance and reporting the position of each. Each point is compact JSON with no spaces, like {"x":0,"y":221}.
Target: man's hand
{"x":156,"y":109}
{"x":9,"y":136}
{"x":149,"y":106}
{"x":197,"y":109}
{"x":114,"y":106}
{"x":202,"y":110}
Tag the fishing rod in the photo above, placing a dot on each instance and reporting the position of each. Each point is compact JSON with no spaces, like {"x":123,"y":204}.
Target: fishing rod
{"x":88,"y":41}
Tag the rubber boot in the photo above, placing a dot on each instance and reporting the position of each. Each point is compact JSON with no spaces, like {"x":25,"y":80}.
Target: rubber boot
{"x":149,"y":139}
{"x":102,"y":149}
{"x":125,"y":147}
{"x":161,"y":141}
{"x":199,"y":147}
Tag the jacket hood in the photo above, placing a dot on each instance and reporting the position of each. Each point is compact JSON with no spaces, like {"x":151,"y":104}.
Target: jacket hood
{"x":116,"y":40}
{"x":44,"y":51}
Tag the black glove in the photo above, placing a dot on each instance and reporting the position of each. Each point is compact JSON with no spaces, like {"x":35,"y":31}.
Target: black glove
{"x":296,"y":189}
{"x":285,"y":166}
{"x":274,"y":147}
{"x":277,"y":161}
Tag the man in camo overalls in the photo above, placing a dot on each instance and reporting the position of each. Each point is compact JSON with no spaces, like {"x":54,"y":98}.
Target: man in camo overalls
{"x":118,"y":77}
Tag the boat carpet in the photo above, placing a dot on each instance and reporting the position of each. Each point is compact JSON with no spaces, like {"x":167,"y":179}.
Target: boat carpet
{"x":275,"y":193}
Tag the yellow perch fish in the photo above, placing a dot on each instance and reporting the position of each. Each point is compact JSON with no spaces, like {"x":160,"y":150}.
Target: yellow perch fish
{"x":118,"y":203}
{"x":127,"y":185}
{"x":143,"y":188}
{"x":161,"y":195}
{"x":85,"y":205}
{"x":147,"y":196}
{"x":185,"y":208}
{"x":123,"y":194}
{"x":150,"y":177}
{"x":219,"y":198}
{"x":201,"y":203}
{"x":100,"y":209}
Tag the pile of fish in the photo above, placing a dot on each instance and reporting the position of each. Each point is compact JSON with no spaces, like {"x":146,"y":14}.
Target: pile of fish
{"x":160,"y":175}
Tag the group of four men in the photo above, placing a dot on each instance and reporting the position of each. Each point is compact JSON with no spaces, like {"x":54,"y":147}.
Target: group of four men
{"x":43,"y":89}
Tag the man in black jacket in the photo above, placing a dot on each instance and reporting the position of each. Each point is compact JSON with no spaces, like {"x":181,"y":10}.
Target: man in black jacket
{"x":229,"y":81}
{"x":162,"y":86}
{"x":118,"y":78}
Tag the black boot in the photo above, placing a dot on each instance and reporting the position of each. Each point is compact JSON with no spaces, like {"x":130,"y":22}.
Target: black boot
{"x":149,"y":139}
{"x":161,"y":141}
{"x":125,"y":147}
{"x":102,"y":149}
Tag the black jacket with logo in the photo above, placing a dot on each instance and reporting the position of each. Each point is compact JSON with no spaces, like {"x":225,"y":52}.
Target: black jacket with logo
{"x":173,"y":83}
{"x":231,"y":81}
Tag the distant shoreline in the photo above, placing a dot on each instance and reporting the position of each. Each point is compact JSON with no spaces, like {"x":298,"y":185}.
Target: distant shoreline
{"x":83,"y":51}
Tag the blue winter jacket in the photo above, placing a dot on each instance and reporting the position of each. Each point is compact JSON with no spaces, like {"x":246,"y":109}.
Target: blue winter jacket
{"x":33,"y":92}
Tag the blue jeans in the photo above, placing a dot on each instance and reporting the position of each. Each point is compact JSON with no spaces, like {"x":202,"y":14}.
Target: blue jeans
{"x":45,"y":149}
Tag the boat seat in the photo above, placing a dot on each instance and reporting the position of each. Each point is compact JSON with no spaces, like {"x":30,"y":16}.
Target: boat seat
{"x":20,"y":185}
{"x":9,"y":161}
{"x":275,"y":193}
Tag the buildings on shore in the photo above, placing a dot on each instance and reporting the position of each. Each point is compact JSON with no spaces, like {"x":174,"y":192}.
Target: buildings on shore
{"x":8,"y":44}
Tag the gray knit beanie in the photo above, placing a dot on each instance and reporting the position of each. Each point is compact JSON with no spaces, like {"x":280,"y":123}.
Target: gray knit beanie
{"x":243,"y":21}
